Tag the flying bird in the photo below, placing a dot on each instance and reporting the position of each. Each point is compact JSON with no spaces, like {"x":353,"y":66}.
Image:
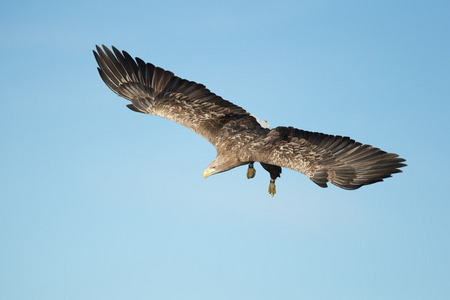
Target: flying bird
{"x":239,"y":137}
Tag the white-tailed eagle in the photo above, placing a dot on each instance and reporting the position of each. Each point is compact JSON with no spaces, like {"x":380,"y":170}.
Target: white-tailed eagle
{"x":240,"y":138}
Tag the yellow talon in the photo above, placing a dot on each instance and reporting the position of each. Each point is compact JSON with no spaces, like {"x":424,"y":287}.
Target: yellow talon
{"x":251,"y":171}
{"x":272,"y":189}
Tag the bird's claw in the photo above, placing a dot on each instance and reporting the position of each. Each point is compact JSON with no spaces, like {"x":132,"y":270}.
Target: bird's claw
{"x":251,"y":171}
{"x":272,"y":189}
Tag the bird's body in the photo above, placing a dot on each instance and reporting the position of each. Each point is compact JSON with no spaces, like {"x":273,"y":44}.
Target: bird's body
{"x":239,"y":137}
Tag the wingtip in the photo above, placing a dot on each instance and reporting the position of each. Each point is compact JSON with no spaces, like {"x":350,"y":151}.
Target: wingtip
{"x":114,"y":49}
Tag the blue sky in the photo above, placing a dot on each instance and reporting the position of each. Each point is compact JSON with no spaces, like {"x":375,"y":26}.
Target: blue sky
{"x":99,"y":202}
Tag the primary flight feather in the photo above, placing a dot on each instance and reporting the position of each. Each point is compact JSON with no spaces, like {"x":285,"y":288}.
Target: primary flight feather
{"x":239,"y":137}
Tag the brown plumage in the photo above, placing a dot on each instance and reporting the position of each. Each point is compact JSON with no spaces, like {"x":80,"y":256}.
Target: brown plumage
{"x":238,"y":137}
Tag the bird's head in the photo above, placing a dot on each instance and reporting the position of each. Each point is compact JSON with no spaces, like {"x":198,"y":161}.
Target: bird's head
{"x":209,"y":171}
{"x":220,"y":164}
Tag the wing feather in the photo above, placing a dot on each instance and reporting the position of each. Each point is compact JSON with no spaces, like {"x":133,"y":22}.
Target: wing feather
{"x":327,"y":158}
{"x":153,"y":90}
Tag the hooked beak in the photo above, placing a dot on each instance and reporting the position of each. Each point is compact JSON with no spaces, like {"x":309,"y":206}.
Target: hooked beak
{"x":206,"y":173}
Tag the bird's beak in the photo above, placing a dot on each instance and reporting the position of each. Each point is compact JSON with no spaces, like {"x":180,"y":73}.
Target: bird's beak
{"x":206,"y":173}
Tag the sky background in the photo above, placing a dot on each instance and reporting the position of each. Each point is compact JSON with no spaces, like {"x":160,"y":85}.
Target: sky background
{"x":99,"y":202}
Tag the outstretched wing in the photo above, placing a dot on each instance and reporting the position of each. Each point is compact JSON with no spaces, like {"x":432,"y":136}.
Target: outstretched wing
{"x":155,"y":91}
{"x":339,"y":160}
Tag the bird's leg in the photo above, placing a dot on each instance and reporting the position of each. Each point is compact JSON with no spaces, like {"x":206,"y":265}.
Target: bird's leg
{"x":272,"y":189}
{"x":274,"y":172}
{"x":251,"y":171}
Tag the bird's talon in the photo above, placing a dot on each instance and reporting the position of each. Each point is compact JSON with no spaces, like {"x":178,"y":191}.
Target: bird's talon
{"x":251,"y":171}
{"x":272,"y":189}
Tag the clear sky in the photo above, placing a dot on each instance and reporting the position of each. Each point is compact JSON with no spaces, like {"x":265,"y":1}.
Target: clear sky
{"x":99,"y":202}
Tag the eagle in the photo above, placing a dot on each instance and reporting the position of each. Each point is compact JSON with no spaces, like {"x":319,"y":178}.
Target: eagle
{"x":239,"y":137}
